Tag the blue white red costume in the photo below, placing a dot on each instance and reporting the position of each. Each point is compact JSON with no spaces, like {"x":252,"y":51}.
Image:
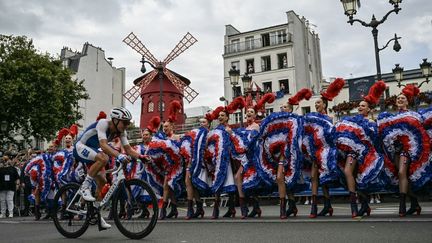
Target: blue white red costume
{"x":404,"y":133}
{"x":40,"y":171}
{"x":280,"y":132}
{"x":318,"y":142}
{"x":359,"y":136}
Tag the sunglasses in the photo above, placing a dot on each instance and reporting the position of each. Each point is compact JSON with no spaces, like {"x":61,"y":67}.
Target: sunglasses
{"x":126,"y":123}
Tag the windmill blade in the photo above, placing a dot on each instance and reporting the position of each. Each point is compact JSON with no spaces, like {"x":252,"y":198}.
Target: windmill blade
{"x":188,"y":93}
{"x":133,"y":41}
{"x":187,"y":41}
{"x":133,"y":93}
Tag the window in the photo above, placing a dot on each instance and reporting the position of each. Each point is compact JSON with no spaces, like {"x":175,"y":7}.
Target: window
{"x":235,"y":45}
{"x":237,"y":117}
{"x":236,"y":65}
{"x":267,"y":87}
{"x":282,"y":61}
{"x":250,"y":43}
{"x":268,"y":111}
{"x":265,"y":63}
{"x":305,"y":110}
{"x":150,"y":107}
{"x":236,"y":91}
{"x":283,"y":86}
{"x":250,"y":65}
{"x":278,"y":37}
{"x":265,"y":39}
{"x":163,"y":106}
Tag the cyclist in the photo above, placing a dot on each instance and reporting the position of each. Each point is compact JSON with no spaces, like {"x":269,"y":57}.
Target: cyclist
{"x":92,"y":146}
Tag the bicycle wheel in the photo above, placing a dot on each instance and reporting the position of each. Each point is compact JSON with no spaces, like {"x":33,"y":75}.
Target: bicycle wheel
{"x":71,"y":214}
{"x":135,"y":209}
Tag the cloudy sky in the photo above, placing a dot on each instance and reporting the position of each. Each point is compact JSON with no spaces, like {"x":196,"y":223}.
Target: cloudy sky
{"x":347,"y":51}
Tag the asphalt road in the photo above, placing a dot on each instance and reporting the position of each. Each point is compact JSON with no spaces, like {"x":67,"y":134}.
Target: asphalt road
{"x":383,"y":226}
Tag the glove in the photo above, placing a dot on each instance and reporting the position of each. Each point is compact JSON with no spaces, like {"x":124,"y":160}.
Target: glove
{"x":122,"y":158}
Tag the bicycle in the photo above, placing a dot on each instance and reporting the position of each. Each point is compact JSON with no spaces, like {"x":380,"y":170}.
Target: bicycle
{"x":131,"y":201}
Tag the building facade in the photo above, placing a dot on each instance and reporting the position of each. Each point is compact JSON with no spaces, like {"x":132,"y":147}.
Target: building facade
{"x":282,"y":58}
{"x":104,"y":83}
{"x":356,"y":88}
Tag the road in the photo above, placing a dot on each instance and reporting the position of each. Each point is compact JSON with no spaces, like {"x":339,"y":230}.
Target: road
{"x":383,"y":226}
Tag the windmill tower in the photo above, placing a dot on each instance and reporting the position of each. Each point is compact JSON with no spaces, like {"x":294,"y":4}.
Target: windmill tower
{"x":160,"y":86}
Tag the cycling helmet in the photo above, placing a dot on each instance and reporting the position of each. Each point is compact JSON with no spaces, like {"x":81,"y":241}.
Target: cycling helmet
{"x":121,"y":113}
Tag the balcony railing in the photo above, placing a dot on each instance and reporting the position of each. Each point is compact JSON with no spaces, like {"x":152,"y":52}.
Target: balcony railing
{"x":256,"y":44}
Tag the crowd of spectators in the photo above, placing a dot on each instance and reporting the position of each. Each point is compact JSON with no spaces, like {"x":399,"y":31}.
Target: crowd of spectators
{"x":15,"y":187}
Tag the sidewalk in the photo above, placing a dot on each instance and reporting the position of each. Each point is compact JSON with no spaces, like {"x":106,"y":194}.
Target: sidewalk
{"x":384,"y":212}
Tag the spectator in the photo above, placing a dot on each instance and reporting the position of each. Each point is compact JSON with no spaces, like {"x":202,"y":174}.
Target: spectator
{"x":9,"y":181}
{"x":375,"y":198}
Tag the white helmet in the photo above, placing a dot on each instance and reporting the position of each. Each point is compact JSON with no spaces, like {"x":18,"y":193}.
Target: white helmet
{"x":121,"y":113}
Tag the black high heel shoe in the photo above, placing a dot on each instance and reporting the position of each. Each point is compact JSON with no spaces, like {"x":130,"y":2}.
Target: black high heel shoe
{"x":230,"y":213}
{"x":163,"y":212}
{"x":283,"y":208}
{"x":354,"y":210}
{"x":402,"y":205}
{"x":314,"y":209}
{"x":190,"y":211}
{"x":292,"y":208}
{"x":199,"y":211}
{"x":256,"y":210}
{"x":415,"y":207}
{"x":364,"y":209}
{"x":327,"y":208}
{"x":173,"y":212}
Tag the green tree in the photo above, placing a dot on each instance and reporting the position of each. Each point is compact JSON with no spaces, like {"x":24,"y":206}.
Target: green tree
{"x":38,"y":95}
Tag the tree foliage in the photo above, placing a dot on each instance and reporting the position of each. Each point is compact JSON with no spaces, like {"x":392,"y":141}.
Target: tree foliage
{"x":38,"y":95}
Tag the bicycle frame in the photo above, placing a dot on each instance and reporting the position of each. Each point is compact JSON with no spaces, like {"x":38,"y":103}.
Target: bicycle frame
{"x":120,"y":178}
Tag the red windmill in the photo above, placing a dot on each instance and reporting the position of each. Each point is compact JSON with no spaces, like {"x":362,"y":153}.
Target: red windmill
{"x":169,"y":85}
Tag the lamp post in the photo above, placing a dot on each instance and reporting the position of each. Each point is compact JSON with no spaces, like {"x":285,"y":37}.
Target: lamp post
{"x":234,"y":75}
{"x":350,"y":8}
{"x":159,"y":68}
{"x":426,"y":68}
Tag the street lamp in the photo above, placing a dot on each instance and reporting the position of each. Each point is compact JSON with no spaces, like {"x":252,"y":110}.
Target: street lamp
{"x":350,"y":8}
{"x":425,"y":67}
{"x":398,"y":74}
{"x":234,"y":75}
{"x":159,"y":68}
{"x":247,"y":80}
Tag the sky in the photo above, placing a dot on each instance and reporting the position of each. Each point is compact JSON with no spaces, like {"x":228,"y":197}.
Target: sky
{"x":347,"y":51}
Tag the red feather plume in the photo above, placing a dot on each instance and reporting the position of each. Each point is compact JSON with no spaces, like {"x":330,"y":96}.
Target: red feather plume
{"x":63,"y":132}
{"x":215,"y":114}
{"x":73,"y":130}
{"x":333,"y":89}
{"x":267,"y":98}
{"x":237,"y":103}
{"x":304,"y":93}
{"x":411,"y":91}
{"x":173,"y":109}
{"x":208,"y":117}
{"x":375,"y":92}
{"x":154,"y":124}
{"x":102,"y":115}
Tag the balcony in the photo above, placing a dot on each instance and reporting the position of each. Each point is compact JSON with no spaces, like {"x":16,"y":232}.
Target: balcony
{"x":255,"y":44}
